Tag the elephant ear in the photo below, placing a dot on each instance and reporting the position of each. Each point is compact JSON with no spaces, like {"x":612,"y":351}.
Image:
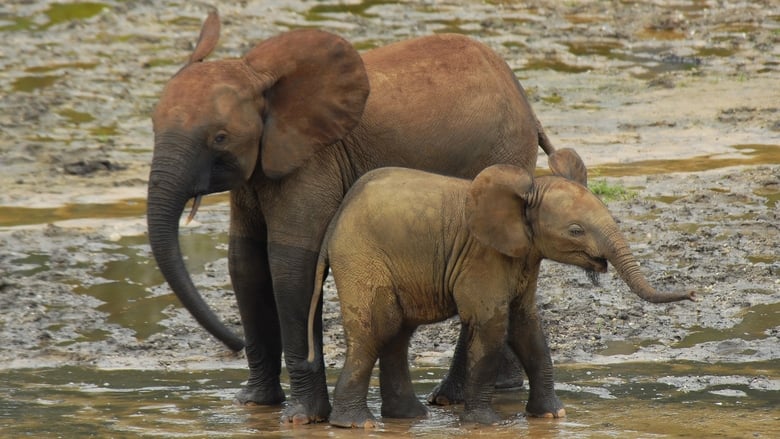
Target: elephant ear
{"x":207,"y":41}
{"x":315,"y":86}
{"x":495,"y":208}
{"x":568,"y":164}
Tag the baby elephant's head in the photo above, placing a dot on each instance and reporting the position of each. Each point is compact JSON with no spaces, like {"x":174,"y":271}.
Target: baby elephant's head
{"x":511,"y":211}
{"x":571,"y":225}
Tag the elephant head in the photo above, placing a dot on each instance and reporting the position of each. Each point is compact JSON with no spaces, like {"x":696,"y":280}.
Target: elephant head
{"x":220,"y":124}
{"x":558,"y":218}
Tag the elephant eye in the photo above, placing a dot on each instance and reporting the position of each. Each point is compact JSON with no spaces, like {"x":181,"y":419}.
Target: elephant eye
{"x":220,"y":138}
{"x":576,"y":230}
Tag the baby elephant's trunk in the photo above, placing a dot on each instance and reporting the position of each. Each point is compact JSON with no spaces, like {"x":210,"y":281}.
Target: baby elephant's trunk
{"x":623,"y":260}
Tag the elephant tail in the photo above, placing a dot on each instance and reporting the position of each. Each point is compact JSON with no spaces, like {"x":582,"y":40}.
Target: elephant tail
{"x":319,"y":279}
{"x":544,"y":141}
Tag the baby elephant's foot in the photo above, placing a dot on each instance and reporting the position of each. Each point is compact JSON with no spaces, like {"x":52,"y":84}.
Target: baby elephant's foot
{"x":551,"y":408}
{"x":354,"y":419}
{"x":484,"y":415}
{"x":410,"y":408}
{"x":446,"y":393}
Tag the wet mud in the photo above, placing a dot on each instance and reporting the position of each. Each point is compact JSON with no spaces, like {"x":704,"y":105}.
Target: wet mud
{"x":675,"y":102}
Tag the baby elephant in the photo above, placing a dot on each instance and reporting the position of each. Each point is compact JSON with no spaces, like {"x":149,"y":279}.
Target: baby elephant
{"x":409,"y":248}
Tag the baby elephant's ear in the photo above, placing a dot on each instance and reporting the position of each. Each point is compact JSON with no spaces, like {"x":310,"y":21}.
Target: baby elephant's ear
{"x":495,"y":208}
{"x":568,"y":164}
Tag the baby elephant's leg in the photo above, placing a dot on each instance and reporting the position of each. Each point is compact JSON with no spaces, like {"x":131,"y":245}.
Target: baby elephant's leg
{"x":369,"y":326}
{"x":395,"y":381}
{"x":350,"y":408}
{"x":485,"y":340}
{"x":450,"y":389}
{"x":527,"y":340}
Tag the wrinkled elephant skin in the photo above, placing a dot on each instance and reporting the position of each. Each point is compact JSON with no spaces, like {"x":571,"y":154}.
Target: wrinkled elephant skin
{"x":409,"y":247}
{"x":287,"y":129}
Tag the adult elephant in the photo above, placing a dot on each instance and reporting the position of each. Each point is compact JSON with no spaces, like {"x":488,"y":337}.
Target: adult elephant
{"x":287,"y":129}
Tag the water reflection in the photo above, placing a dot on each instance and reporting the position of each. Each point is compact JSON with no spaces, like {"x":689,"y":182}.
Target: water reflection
{"x":629,"y":400}
{"x":127,"y":285}
{"x":749,"y":155}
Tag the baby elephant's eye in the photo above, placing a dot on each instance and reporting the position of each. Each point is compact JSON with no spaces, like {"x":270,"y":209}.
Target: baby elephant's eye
{"x":220,"y":138}
{"x":576,"y":230}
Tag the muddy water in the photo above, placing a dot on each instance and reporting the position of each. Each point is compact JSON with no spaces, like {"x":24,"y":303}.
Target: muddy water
{"x":737,"y":155}
{"x":747,"y":155}
{"x":635,"y":399}
{"x":628,"y":400}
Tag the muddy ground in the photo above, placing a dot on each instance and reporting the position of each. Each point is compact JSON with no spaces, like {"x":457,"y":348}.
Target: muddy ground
{"x":676,"y":101}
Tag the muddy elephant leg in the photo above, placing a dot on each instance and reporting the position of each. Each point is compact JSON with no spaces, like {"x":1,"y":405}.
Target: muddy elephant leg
{"x":350,"y":406}
{"x":485,"y":342}
{"x":395,"y":380}
{"x":292,"y":270}
{"x":529,"y":343}
{"x":251,"y":278}
{"x":450,"y":390}
{"x":510,"y":372}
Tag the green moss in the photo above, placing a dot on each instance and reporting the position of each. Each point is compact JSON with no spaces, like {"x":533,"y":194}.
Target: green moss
{"x":29,"y":84}
{"x":56,"y":13}
{"x":76,"y":117}
{"x":610,"y":192}
{"x":554,"y":98}
{"x":63,"y":12}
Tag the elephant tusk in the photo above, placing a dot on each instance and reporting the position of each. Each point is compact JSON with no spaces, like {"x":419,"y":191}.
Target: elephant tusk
{"x":195,"y":205}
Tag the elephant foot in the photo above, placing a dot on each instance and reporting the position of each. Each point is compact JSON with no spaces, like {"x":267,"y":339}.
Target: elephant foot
{"x":560,"y":413}
{"x":299,"y":413}
{"x":509,"y":378}
{"x":549,"y":408}
{"x":484,"y":415}
{"x":354,"y":419}
{"x":406,"y":409}
{"x":260,"y":395}
{"x":446,"y":393}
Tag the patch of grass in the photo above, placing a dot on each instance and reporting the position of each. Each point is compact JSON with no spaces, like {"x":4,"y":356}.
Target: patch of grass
{"x":554,"y":98}
{"x":610,"y":192}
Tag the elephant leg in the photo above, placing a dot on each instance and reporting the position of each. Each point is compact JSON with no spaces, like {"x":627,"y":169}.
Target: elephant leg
{"x":350,"y":406}
{"x":485,"y":342}
{"x":395,"y":380}
{"x":528,"y":341}
{"x":292,"y":270}
{"x":510,"y":373}
{"x":251,"y":278}
{"x":450,"y":390}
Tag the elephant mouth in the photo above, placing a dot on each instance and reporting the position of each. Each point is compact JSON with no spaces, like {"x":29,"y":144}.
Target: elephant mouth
{"x":597,"y":264}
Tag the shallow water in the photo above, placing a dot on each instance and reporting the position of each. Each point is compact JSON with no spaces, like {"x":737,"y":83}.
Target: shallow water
{"x":623,"y":400}
{"x":743,"y":155}
{"x":747,"y":155}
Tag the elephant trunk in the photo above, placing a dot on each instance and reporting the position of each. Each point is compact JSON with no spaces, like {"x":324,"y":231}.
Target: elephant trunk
{"x":167,"y":197}
{"x":619,"y":255}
